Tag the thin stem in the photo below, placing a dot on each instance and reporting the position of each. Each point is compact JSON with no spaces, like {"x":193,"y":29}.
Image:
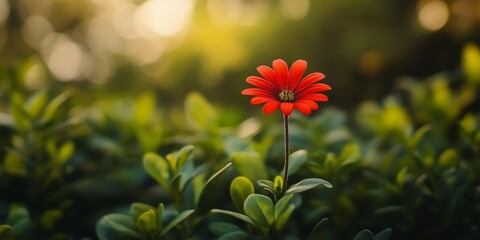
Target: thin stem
{"x":287,"y":152}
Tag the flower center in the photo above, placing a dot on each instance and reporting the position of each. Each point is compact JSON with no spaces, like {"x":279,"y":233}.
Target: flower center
{"x":286,"y":96}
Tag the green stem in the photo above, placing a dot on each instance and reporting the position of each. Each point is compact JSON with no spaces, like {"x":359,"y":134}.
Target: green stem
{"x":287,"y":152}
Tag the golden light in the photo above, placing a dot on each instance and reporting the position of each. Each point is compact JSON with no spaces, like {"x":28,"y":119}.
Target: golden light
{"x":34,"y":30}
{"x":237,"y":11}
{"x":66,"y":61}
{"x":294,"y":9}
{"x":433,"y":15}
{"x":162,"y":17}
{"x":4,"y":11}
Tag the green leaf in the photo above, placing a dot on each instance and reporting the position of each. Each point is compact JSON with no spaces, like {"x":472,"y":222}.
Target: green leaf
{"x":401,"y":176}
{"x":14,"y":165}
{"x":250,"y":165}
{"x":222,"y":228}
{"x":65,"y":153}
{"x":471,"y":62}
{"x":235,"y":235}
{"x":183,"y":155}
{"x":203,"y":198}
{"x":307,"y":184}
{"x":297,"y":160}
{"x":199,"y":113}
{"x":235,"y":215}
{"x":448,"y":158}
{"x":240,"y":189}
{"x":50,"y":218}
{"x":160,"y":212}
{"x":283,"y":217}
{"x":181,"y":217}
{"x":136,"y":209}
{"x":282,"y":204}
{"x":283,"y":210}
{"x":147,"y":223}
{"x":278,"y":184}
{"x":317,"y":228}
{"x":35,"y":104}
{"x":260,"y":209}
{"x":54,"y":104}
{"x":6,"y":232}
{"x":384,"y":235}
{"x":117,"y":227}
{"x":19,"y":219}
{"x":365,"y":234}
{"x":144,"y":109}
{"x":157,"y":167}
{"x":417,"y":137}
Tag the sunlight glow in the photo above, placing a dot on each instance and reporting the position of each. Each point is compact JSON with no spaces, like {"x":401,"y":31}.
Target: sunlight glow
{"x":433,"y":15}
{"x":294,"y":9}
{"x":66,"y":61}
{"x":34,"y":30}
{"x":4,"y":11}
{"x":237,"y":11}
{"x":163,"y":17}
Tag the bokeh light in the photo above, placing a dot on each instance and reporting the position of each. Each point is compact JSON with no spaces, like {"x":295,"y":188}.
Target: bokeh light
{"x":433,"y":15}
{"x":163,"y":17}
{"x":294,"y":9}
{"x":66,"y":61}
{"x":4,"y":11}
{"x":240,"y":12}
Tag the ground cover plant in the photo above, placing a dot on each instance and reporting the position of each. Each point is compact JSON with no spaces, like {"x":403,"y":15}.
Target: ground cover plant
{"x":403,"y":167}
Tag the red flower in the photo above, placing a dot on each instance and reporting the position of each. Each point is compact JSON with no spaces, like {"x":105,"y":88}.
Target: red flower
{"x":284,"y":89}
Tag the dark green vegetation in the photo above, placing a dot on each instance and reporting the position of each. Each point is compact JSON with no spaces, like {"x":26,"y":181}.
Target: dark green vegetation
{"x":117,"y":168}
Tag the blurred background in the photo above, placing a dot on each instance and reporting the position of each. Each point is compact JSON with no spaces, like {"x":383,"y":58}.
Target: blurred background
{"x":211,"y":46}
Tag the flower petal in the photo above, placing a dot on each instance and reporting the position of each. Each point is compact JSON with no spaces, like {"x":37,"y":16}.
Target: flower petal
{"x":261,"y":83}
{"x":269,"y":75}
{"x":318,"y":87}
{"x":303,"y":108}
{"x":257,"y":92}
{"x":313,"y":105}
{"x":271,"y":106}
{"x":281,"y":70}
{"x":314,"y":97}
{"x":260,"y":100}
{"x":287,"y":108}
{"x":296,"y":72}
{"x":309,"y":80}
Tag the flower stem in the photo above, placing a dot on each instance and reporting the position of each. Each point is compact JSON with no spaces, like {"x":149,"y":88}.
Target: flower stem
{"x":287,"y":152}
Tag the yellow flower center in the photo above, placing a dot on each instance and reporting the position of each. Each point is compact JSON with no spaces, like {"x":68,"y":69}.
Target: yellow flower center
{"x":286,"y":96}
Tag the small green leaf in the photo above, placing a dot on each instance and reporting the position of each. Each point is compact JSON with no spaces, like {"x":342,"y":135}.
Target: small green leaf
{"x":144,"y":109}
{"x":417,"y":137}
{"x":297,"y":160}
{"x":283,"y":210}
{"x":236,"y":215}
{"x":250,"y":165}
{"x":14,"y":165}
{"x":204,"y":194}
{"x":18,"y":218}
{"x":180,"y":218}
{"x":157,"y":167}
{"x":282,"y":204}
{"x":65,"y":153}
{"x":240,"y":189}
{"x":136,"y":209}
{"x":317,"y":228}
{"x":54,"y":104}
{"x":50,"y":218}
{"x":448,"y":158}
{"x":307,"y":184}
{"x":35,"y":104}
{"x":183,"y":155}
{"x":401,"y":177}
{"x":383,"y":235}
{"x":6,"y":232}
{"x":260,"y":209}
{"x":147,"y":223}
{"x":365,"y":234}
{"x":235,"y":235}
{"x":200,"y":114}
{"x":117,"y":227}
{"x":160,"y":212}
{"x":283,"y":217}
{"x":222,"y":228}
{"x":278,"y":184}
